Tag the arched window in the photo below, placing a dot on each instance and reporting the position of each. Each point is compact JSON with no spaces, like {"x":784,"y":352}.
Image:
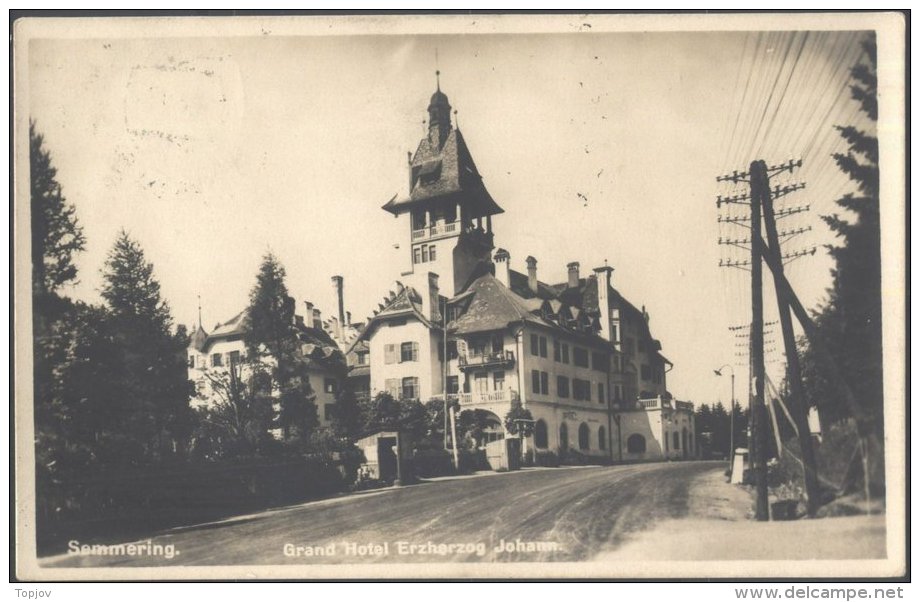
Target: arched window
{"x":675,"y":440}
{"x":563,"y":436}
{"x":540,"y":438}
{"x":602,"y":438}
{"x":635,"y":444}
{"x":584,"y":437}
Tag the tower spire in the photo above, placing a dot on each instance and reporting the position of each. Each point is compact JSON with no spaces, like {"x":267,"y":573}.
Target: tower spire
{"x":437,"y":69}
{"x":199,"y":311}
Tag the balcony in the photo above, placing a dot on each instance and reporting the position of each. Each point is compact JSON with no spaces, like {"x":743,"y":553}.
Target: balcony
{"x":658,"y":403}
{"x":494,"y":359}
{"x":503,"y":396}
{"x":436,"y":230}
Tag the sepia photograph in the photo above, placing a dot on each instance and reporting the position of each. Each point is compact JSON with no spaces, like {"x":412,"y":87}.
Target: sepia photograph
{"x":460,"y":296}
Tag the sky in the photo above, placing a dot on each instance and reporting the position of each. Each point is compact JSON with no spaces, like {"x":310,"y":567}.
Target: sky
{"x":213,"y":151}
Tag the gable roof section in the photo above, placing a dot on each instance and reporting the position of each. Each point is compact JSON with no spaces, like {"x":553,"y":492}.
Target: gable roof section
{"x":406,"y":303}
{"x":493,"y":307}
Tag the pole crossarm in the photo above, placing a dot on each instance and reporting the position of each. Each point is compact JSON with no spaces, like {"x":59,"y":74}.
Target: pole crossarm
{"x":737,"y":221}
{"x":738,"y":199}
{"x":791,"y":211}
{"x":736,"y":176}
{"x":779,"y":191}
{"x":779,"y":168}
{"x":734,"y":263}
{"x":795,"y":232}
{"x":790,"y":257}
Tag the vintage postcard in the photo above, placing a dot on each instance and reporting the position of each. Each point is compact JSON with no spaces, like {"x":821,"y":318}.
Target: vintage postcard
{"x":591,"y":296}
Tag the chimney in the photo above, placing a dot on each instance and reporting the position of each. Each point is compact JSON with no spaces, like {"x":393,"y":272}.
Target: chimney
{"x":308,"y":315}
{"x":434,"y":302}
{"x":317,"y":319}
{"x":347,"y":318}
{"x":573,"y":274}
{"x":603,"y":301}
{"x":338,"y":283}
{"x":503,"y":267}
{"x":531,"y":273}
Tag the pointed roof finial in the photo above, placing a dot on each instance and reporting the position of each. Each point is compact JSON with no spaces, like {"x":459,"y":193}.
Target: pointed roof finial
{"x":437,"y":67}
{"x":199,"y":311}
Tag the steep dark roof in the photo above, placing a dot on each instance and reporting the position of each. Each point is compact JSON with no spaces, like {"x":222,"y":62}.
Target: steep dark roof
{"x":446,"y":171}
{"x":199,"y":338}
{"x":493,"y":307}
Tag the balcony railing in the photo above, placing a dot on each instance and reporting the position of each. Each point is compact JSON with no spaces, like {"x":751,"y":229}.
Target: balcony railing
{"x":503,"y":396}
{"x":656,"y":403}
{"x":483,"y":360}
{"x":435,"y":230}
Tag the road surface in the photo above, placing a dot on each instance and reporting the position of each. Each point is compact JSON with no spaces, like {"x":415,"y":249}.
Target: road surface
{"x":564,"y":514}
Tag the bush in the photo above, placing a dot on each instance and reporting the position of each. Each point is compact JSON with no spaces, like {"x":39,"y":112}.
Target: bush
{"x":546,"y":458}
{"x":472,"y":460}
{"x":433,"y":463}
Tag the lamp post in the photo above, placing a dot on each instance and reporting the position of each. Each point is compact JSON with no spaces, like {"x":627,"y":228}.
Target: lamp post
{"x":731,"y":419}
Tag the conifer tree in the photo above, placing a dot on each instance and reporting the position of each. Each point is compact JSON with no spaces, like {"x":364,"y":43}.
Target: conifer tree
{"x":272,"y":338}
{"x":153,"y":374}
{"x":851,"y":321}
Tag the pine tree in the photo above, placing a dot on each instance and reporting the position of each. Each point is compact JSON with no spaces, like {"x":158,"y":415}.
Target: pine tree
{"x":56,"y":233}
{"x":850,"y":323}
{"x":56,"y":238}
{"x":153,"y":373}
{"x":272,"y":338}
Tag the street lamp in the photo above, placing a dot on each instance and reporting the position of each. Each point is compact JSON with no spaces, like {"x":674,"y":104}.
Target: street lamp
{"x":731,"y":420}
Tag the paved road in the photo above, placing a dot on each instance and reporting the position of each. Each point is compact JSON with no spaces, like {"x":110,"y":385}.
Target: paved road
{"x":561,"y":514}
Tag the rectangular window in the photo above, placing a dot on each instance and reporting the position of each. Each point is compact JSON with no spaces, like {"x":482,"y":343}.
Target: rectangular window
{"x":535,"y":381}
{"x":389,"y":354}
{"x":424,"y":253}
{"x":191,"y":361}
{"x":217,"y":360}
{"x":235,"y":358}
{"x":562,"y":386}
{"x":534,"y":345}
{"x":618,"y":392}
{"x":600,"y":393}
{"x":453,"y":385}
{"x":481,"y":382}
{"x":329,"y":385}
{"x":392,"y":385}
{"x":542,"y":346}
{"x":498,"y":380}
{"x":408,"y":352}
{"x":646,"y":372}
{"x":565,"y":353}
{"x":450,"y":213}
{"x":557,"y":355}
{"x":362,"y":358}
{"x":544,"y":383}
{"x":614,"y":332}
{"x":599,"y":362}
{"x":432,"y":253}
{"x":581,"y":389}
{"x":410,"y":387}
{"x":417,"y":255}
{"x":328,"y":411}
{"x":580,"y":357}
{"x":451,"y":350}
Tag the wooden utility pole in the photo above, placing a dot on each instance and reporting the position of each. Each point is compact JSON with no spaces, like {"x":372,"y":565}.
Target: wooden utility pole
{"x":793,"y":369}
{"x":758,"y":183}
